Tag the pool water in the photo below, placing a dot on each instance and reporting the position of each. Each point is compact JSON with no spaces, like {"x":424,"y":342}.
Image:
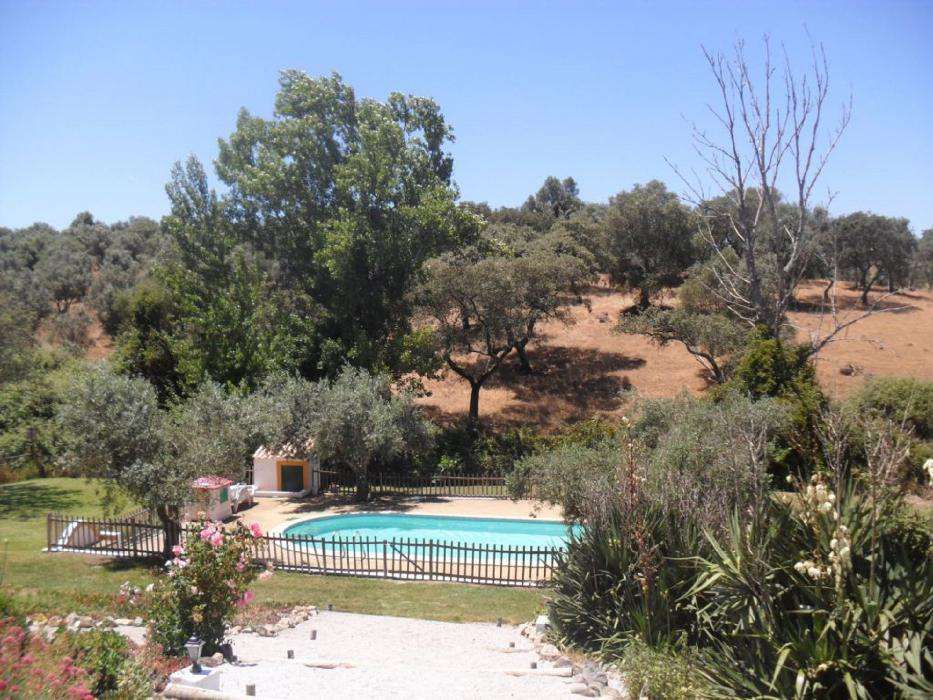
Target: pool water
{"x":500,"y":532}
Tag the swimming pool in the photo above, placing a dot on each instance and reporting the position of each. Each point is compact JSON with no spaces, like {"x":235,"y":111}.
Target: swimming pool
{"x":471,"y":532}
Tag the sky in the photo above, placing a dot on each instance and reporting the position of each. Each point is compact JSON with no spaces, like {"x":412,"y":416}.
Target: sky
{"x":99,"y":99}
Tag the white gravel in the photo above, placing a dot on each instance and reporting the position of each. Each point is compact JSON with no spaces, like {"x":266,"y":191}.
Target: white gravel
{"x":391,"y":657}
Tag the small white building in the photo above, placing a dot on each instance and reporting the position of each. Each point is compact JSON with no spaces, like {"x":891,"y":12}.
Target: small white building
{"x":285,"y":472}
{"x":211,"y":496}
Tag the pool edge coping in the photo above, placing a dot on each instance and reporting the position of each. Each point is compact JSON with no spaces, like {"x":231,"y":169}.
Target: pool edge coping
{"x":279,"y":530}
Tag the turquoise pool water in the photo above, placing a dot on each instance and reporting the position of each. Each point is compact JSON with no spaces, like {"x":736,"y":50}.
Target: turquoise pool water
{"x":500,"y":532}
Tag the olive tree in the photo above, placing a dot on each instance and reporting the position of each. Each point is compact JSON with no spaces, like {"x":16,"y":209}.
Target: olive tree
{"x":216,"y":431}
{"x":922,"y":267}
{"x":354,"y":421}
{"x":112,"y":429}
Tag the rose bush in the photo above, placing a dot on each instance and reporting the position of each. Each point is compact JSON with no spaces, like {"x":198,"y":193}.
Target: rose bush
{"x":205,"y":583}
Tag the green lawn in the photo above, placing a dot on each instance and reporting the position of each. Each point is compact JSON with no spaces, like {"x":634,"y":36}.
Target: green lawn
{"x":71,"y":582}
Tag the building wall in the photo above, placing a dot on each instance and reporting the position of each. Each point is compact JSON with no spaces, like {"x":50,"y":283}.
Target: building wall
{"x":210,"y":504}
{"x":267,"y":475}
{"x":264,"y":474}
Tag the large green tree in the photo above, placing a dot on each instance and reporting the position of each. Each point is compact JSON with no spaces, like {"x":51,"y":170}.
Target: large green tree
{"x":871,"y":247}
{"x":649,"y":239}
{"x":486,"y":300}
{"x":347,"y":198}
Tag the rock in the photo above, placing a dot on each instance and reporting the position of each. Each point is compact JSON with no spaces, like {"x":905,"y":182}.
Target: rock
{"x":123,"y":621}
{"x":70,"y":618}
{"x":212,"y":661}
{"x":592,"y":674}
{"x":138,"y":621}
{"x":584,"y":690}
{"x":612,"y":693}
{"x":549,"y":652}
{"x":233,"y":630}
{"x":85,"y":622}
{"x":542,"y":624}
{"x":562,"y":662}
{"x":268,"y":631}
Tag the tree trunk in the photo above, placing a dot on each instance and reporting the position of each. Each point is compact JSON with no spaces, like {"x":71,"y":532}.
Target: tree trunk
{"x":362,"y":487}
{"x":474,"y":403}
{"x":523,"y":361}
{"x":868,"y":285}
{"x":171,"y":529}
{"x":644,"y":299}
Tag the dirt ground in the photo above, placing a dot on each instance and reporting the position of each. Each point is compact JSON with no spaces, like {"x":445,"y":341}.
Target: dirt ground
{"x":586,"y":369}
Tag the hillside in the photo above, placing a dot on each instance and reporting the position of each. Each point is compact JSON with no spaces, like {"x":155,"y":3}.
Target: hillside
{"x":584,"y":368}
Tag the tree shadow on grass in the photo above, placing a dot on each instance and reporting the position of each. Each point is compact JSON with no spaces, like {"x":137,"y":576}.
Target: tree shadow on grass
{"x":28,"y":500}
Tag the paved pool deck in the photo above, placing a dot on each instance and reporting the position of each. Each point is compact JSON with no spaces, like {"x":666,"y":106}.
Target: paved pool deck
{"x":274,"y":514}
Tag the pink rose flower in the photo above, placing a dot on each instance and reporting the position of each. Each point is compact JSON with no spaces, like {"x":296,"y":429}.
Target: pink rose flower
{"x":265,"y":575}
{"x":247,"y":598}
{"x":255,"y":529}
{"x":216,"y":539}
{"x":240,"y":566}
{"x":178,"y":550}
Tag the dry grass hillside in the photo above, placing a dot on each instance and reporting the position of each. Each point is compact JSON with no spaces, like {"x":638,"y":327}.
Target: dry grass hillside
{"x":583,"y":369}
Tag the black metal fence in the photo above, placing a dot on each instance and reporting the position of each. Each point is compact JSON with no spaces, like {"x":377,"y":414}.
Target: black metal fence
{"x":406,"y":559}
{"x":479,"y":486}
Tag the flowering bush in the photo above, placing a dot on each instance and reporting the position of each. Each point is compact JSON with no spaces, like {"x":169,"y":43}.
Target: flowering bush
{"x":827,"y":594}
{"x":205,"y":582}
{"x":85,"y":664}
{"x":33,"y":667}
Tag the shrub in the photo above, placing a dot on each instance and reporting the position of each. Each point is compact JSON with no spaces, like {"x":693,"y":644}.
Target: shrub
{"x":32,"y":667}
{"x":900,"y":399}
{"x":567,"y":475}
{"x":103,"y":655}
{"x":700,"y":458}
{"x":773,"y":368}
{"x":819,"y":596}
{"x":205,"y":583}
{"x":661,"y":673}
{"x":461,"y":448}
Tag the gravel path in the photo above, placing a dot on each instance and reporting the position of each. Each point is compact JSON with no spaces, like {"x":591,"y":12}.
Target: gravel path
{"x":391,"y":657}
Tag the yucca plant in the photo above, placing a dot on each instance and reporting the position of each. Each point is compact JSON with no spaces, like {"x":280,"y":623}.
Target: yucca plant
{"x":621,"y":579}
{"x":826,"y":595}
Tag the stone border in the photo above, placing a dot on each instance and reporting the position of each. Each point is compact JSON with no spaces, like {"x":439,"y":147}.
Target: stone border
{"x":588,"y":678}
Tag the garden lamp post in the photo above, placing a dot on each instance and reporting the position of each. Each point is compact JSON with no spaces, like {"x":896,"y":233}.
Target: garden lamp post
{"x":193,"y":647}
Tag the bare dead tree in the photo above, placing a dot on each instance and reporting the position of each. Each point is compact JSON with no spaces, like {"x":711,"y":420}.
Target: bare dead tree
{"x":772,"y":136}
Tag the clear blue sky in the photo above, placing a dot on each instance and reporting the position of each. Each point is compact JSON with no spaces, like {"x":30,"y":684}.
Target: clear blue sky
{"x":98,"y":99}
